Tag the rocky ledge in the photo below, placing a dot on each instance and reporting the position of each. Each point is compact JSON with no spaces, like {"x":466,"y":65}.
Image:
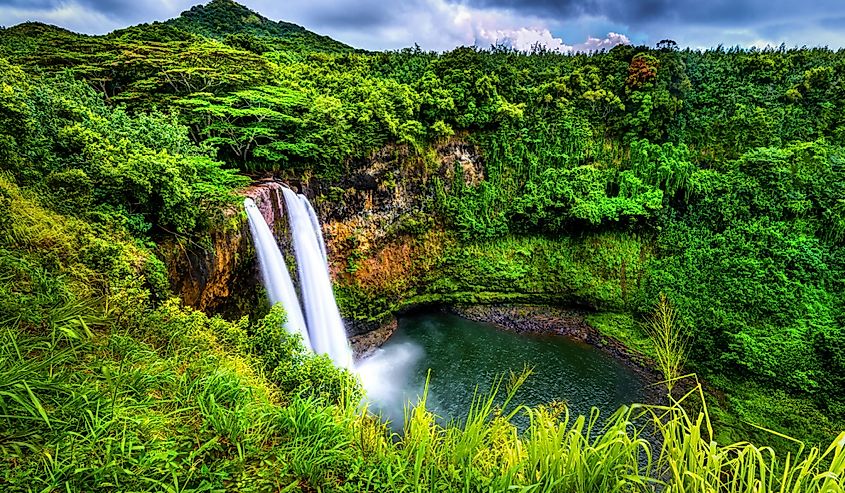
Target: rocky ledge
{"x":367,"y":342}
{"x":544,"y":319}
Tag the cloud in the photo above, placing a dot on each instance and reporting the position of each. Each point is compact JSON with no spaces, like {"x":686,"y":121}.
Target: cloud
{"x":648,"y":12}
{"x":433,"y":24}
{"x":71,"y":16}
{"x":332,"y":14}
{"x":90,"y":16}
{"x":606,"y":43}
{"x":29,"y":4}
{"x":695,"y":23}
{"x":523,"y":39}
{"x":437,"y":25}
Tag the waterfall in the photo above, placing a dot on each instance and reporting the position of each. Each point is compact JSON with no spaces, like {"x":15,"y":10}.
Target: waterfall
{"x":321,"y":328}
{"x":274,"y":272}
{"x":325,"y":326}
{"x":315,"y":224}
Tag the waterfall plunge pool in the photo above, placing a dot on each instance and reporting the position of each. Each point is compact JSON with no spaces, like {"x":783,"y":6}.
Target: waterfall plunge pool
{"x":463,"y":354}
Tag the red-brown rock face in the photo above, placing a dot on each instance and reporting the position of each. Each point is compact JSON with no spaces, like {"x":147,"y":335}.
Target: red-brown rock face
{"x":222,"y":278}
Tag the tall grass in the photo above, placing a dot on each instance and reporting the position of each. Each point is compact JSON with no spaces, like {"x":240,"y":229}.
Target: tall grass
{"x":112,"y":413}
{"x":637,"y":448}
{"x":670,"y":343}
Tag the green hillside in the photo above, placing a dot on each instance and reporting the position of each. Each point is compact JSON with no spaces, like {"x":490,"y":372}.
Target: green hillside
{"x":53,"y":48}
{"x":231,"y":22}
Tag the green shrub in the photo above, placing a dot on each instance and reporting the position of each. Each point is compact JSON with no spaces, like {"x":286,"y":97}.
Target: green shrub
{"x":296,"y":371}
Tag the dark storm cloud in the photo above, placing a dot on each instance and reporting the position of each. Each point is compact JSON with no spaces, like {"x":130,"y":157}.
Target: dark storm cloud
{"x":366,"y":14}
{"x":616,"y":10}
{"x":562,"y":8}
{"x":29,"y":4}
{"x":680,"y":12}
{"x":116,"y":8}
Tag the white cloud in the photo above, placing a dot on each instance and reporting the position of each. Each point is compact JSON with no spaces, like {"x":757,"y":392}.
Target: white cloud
{"x":762,"y":43}
{"x":606,"y":43}
{"x":69,"y":16}
{"x":523,"y":39}
{"x":485,"y":27}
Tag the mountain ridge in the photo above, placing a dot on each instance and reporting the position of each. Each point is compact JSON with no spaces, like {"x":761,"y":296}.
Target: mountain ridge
{"x":222,"y":20}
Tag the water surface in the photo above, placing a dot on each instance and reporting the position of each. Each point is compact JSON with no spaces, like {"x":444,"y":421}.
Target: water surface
{"x":461,"y":354}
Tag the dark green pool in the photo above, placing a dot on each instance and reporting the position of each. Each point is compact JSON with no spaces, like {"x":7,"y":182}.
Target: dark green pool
{"x":462,"y":354}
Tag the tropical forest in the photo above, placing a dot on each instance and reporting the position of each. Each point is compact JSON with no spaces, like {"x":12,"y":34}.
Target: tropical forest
{"x":238,"y":255}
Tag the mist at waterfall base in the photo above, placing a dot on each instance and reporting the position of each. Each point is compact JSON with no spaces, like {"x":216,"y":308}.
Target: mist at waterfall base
{"x":463,"y":354}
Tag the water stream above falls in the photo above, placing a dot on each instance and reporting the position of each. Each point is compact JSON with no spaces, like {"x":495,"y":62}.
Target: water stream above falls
{"x":462,"y":354}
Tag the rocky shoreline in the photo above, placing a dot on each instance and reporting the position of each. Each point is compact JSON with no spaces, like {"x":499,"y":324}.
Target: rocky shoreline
{"x":365,"y":343}
{"x":567,"y":322}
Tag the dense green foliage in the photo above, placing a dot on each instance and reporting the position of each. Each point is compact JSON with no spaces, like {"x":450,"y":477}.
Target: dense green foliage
{"x":86,"y":159}
{"x":714,"y":177}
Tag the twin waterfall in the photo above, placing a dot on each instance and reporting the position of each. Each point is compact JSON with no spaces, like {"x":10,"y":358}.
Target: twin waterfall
{"x":321,"y":327}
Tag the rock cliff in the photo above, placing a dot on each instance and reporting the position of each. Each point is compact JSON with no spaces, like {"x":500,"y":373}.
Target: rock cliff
{"x":361,"y":212}
{"x":221,"y":275}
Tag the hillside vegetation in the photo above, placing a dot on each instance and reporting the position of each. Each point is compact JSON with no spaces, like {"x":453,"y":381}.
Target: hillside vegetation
{"x":716,"y":178}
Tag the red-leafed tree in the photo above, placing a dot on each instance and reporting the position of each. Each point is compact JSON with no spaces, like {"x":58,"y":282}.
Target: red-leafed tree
{"x":642,"y":71}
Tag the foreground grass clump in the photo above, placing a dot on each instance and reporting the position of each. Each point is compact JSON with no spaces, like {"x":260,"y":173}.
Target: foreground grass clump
{"x":638,"y":448}
{"x":178,"y":403}
{"x":185,"y":402}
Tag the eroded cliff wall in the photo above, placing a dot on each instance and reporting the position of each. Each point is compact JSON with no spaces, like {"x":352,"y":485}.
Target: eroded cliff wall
{"x":220,"y":276}
{"x":389,"y":250}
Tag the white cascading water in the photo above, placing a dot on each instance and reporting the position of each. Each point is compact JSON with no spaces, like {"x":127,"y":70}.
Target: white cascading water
{"x":315,"y":224}
{"x":383,"y":374}
{"x":325,"y":327}
{"x":274,"y":272}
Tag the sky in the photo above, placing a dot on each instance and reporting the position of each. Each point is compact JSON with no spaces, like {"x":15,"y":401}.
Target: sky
{"x":563,"y":25}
